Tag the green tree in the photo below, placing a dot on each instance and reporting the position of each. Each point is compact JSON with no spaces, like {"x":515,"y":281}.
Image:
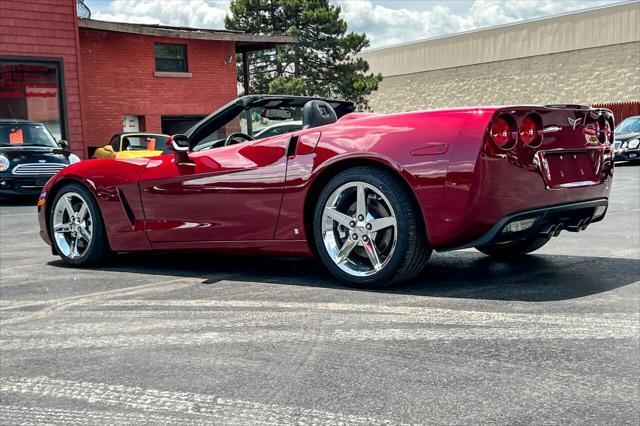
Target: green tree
{"x":323,"y":63}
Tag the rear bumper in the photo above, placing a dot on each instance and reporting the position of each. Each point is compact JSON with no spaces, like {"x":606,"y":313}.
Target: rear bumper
{"x":545,"y":221}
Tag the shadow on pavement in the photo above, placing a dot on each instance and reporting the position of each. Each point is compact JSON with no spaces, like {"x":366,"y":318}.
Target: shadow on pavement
{"x":23,"y":200}
{"x":628,"y":163}
{"x":469,"y":275}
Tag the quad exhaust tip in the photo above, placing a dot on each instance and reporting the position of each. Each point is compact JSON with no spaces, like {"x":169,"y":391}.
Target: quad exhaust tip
{"x":558,"y":230}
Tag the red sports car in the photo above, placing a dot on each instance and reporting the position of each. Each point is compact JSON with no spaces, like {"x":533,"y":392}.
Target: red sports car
{"x":370,"y":194}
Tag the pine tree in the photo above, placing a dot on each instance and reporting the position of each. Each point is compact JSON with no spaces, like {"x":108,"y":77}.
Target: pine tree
{"x":323,"y":63}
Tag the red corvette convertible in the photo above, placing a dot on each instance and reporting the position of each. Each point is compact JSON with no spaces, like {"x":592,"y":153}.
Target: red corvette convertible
{"x":371,"y":195}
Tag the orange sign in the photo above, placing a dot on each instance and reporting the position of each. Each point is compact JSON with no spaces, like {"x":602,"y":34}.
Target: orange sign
{"x":15,"y":137}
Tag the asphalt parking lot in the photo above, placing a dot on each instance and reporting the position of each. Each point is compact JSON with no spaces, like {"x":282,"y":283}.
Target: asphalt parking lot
{"x":551,"y":339}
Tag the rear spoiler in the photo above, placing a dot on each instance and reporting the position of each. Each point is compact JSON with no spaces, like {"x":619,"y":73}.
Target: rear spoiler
{"x":568,"y":106}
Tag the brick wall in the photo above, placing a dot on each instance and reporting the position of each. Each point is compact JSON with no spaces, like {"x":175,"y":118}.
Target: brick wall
{"x":621,"y":110}
{"x":47,"y":29}
{"x":588,"y":76}
{"x":118,"y":79}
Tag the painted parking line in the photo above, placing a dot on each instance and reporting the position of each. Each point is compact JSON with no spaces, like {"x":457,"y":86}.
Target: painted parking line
{"x":52,"y":306}
{"x":209,"y":408}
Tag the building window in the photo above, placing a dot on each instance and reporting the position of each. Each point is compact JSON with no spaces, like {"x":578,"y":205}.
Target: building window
{"x":33,"y":90}
{"x":171,"y":57}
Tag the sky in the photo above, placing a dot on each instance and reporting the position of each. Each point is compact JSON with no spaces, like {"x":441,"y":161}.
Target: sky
{"x":386,"y":22}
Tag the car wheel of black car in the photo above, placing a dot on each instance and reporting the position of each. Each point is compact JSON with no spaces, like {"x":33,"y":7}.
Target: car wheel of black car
{"x":514,"y":249}
{"x":367,"y":230}
{"x":76,"y":227}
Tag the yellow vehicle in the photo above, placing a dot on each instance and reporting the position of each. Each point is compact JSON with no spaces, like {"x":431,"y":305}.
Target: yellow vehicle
{"x":133,"y":145}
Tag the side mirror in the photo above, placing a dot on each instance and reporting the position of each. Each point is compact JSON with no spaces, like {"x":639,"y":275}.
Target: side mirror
{"x":179,"y":144}
{"x":62,"y":148}
{"x":63,"y":144}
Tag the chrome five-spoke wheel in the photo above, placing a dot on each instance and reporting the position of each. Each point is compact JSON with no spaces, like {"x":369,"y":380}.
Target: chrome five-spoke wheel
{"x":367,"y":228}
{"x":359,"y":229}
{"x":72,"y":225}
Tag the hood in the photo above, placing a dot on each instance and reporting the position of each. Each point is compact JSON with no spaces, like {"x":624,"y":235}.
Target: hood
{"x":31,"y":154}
{"x":622,"y":137}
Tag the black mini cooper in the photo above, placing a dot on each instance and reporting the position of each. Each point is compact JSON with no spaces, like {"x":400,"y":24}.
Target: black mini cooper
{"x":29,"y":156}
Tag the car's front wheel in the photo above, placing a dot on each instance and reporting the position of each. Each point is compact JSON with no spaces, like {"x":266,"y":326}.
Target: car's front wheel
{"x":368,"y":231}
{"x":76,"y":227}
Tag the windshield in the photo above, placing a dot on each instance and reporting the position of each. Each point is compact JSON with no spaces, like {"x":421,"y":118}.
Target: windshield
{"x":630,"y":125}
{"x":144,"y":143}
{"x":257,"y":122}
{"x":26,"y":134}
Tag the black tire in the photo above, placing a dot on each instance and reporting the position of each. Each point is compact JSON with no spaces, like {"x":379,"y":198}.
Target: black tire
{"x":412,"y":248}
{"x":98,"y":250}
{"x":514,"y":249}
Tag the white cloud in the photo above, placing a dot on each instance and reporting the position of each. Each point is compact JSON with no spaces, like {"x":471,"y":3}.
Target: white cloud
{"x":383,"y":25}
{"x":386,"y":26}
{"x":191,"y":13}
{"x":486,"y":13}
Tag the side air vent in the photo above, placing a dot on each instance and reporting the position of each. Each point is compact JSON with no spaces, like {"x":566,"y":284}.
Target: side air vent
{"x":127,"y":208}
{"x":293,"y":144}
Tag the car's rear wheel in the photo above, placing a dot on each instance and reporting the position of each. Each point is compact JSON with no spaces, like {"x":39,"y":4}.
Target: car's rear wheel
{"x":76,"y":227}
{"x":514,"y":249}
{"x":368,"y":231}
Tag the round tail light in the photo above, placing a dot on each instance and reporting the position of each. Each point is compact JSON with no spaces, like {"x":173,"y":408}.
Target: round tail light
{"x":502,"y":132}
{"x":601,"y":129}
{"x":529,"y":131}
{"x":608,"y":134}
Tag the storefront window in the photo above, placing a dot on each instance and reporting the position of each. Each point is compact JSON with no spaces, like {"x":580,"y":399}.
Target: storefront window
{"x":30,"y":91}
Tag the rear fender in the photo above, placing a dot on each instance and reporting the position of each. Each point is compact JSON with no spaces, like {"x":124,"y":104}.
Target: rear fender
{"x":415,"y":145}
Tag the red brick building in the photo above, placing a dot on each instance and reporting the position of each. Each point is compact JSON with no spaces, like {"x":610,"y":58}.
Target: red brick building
{"x":88,"y":79}
{"x":40,"y":66}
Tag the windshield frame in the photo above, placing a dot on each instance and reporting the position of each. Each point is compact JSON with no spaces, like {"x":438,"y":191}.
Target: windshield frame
{"x":222,"y":116}
{"x":158,"y":147}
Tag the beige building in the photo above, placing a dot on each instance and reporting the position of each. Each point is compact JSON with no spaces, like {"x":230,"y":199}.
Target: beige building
{"x":584,"y":57}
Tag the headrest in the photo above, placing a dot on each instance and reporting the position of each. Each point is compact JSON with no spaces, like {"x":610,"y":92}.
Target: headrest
{"x":317,"y":113}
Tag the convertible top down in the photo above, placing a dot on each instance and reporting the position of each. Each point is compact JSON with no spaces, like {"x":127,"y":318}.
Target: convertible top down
{"x":371,"y":195}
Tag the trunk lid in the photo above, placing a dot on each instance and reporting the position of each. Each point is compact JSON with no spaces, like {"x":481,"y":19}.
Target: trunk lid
{"x":571,"y":146}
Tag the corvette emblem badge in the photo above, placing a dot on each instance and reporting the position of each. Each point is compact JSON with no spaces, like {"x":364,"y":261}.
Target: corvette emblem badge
{"x":42,"y":161}
{"x":574,"y":122}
